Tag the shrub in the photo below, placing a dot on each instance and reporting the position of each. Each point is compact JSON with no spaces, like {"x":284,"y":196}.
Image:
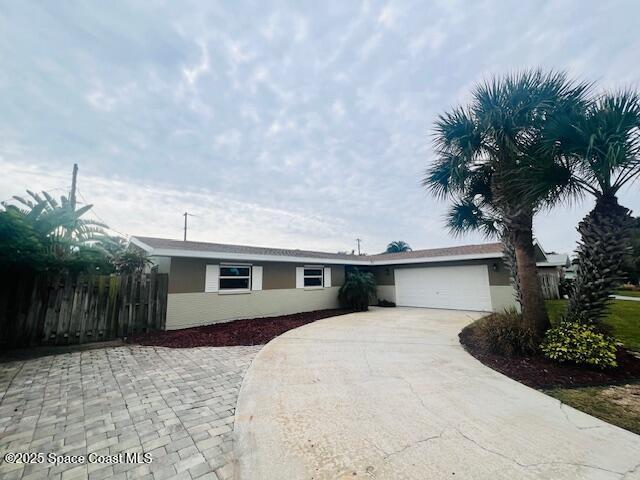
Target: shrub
{"x":504,"y":334}
{"x":581,"y":344}
{"x":385,"y":303}
{"x":358,"y":290}
{"x":565,"y":287}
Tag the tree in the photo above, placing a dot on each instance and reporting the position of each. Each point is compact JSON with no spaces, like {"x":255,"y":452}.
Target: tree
{"x":632,"y":265}
{"x":489,"y":147}
{"x":21,"y":246}
{"x":58,"y":238}
{"x":358,"y":290}
{"x":604,"y":141}
{"x":130,"y":261}
{"x":398,"y":246}
{"x":60,"y":222}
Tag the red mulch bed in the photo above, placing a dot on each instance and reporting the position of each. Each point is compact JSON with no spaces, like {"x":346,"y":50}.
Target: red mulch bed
{"x":255,"y":331}
{"x":538,"y":372}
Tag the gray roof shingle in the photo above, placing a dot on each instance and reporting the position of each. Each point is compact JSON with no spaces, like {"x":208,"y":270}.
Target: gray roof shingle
{"x":167,"y":244}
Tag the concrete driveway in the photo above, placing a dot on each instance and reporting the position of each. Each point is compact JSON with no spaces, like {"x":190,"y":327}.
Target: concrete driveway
{"x":390,"y":394}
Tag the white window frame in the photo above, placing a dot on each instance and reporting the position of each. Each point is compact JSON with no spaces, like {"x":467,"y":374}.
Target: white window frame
{"x":321,"y":276}
{"x":227,"y":291}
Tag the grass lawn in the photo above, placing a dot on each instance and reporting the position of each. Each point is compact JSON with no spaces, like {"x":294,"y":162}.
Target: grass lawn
{"x":628,"y":293}
{"x":619,"y":405}
{"x":624,"y":317}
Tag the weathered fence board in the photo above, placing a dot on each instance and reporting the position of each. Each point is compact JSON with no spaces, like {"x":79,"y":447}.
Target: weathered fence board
{"x":550,"y":284}
{"x":62,"y":310}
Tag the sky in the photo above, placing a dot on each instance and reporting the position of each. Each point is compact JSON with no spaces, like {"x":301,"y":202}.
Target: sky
{"x":289,"y":124}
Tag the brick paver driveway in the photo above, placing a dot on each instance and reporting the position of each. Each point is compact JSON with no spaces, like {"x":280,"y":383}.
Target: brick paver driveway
{"x":177,"y":404}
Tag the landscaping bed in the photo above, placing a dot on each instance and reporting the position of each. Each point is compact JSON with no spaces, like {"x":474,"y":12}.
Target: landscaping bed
{"x":255,"y":331}
{"x":612,"y":395}
{"x":538,"y":372}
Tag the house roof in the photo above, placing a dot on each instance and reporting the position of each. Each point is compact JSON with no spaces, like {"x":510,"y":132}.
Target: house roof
{"x":178,"y":248}
{"x":555,"y":260}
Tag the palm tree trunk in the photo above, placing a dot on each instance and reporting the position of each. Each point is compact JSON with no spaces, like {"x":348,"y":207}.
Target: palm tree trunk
{"x":510,"y":262}
{"x":604,"y":245}
{"x":534,"y":312}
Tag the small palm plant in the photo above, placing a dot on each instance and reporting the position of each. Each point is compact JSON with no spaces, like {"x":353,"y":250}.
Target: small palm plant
{"x":358,"y":290}
{"x":398,"y":246}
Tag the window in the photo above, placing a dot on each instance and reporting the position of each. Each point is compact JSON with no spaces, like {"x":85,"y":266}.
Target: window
{"x":235,"y":277}
{"x":313,"y":277}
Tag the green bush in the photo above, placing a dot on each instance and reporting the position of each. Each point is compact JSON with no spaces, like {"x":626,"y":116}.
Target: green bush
{"x":504,"y":334}
{"x":581,"y":344}
{"x":565,"y":287}
{"x":358,"y":290}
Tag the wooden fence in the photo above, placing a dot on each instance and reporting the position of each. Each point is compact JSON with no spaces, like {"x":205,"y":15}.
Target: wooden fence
{"x":550,"y":283}
{"x":64,"y":310}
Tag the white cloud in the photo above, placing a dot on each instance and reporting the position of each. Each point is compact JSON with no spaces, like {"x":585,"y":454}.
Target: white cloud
{"x":192,"y":74}
{"x":388,"y":16}
{"x":322,"y":112}
{"x":148,"y":209}
{"x":300,"y":29}
{"x":432,"y":38}
{"x":228,"y":139}
{"x":337,"y":109}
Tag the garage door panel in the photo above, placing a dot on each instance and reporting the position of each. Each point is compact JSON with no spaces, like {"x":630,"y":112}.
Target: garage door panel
{"x":459,"y":287}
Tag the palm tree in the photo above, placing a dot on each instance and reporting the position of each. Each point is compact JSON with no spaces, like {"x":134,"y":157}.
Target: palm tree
{"x":59,"y":222}
{"x":487,"y":147}
{"x":604,"y":141}
{"x":358,"y":289}
{"x":474,"y":210}
{"x":397,"y":247}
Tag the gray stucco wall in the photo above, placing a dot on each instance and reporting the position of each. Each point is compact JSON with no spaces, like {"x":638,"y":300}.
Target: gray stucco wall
{"x":187,"y":275}
{"x":498,"y":272}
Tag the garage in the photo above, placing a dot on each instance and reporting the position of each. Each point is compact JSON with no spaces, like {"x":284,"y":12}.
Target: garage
{"x":456,"y":287}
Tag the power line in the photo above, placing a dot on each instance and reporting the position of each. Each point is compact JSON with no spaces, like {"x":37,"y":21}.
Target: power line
{"x":93,"y":210}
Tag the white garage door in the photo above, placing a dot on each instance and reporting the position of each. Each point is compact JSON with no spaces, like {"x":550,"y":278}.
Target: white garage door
{"x":458,"y":288}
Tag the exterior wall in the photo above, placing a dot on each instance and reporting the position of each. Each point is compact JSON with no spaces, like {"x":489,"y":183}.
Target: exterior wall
{"x":500,"y":289}
{"x":387,"y":292}
{"x":188,"y":274}
{"x":384,"y":275}
{"x":498,"y":275}
{"x":194,"y":309}
{"x":502,"y":297}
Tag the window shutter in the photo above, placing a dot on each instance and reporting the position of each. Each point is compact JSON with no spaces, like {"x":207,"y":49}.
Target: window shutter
{"x":256,"y":278}
{"x":327,"y":277}
{"x":211,"y":278}
{"x":299,"y":277}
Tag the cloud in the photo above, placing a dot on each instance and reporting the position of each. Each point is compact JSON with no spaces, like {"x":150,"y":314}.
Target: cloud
{"x":297,"y":127}
{"x":192,"y":74}
{"x":388,"y":16}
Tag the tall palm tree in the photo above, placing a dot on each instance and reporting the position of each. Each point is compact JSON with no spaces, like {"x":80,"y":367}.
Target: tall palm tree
{"x":474,"y":210}
{"x":398,"y":246}
{"x":604,"y":141}
{"x":488,"y":145}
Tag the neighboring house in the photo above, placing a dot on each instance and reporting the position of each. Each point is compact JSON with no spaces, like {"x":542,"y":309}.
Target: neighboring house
{"x":211,"y":282}
{"x":551,"y":269}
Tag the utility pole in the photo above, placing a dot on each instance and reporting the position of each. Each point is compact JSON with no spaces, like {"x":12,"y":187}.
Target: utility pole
{"x":72,"y":194}
{"x":358,"y":240}
{"x":186,"y":214}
